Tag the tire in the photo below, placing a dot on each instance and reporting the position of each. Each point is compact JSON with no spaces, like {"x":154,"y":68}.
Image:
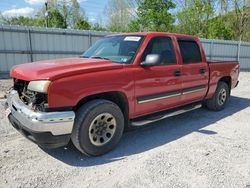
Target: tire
{"x":220,"y":97}
{"x":89,"y":135}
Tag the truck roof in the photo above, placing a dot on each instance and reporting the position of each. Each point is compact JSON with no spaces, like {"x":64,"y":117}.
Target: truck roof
{"x":156,"y":34}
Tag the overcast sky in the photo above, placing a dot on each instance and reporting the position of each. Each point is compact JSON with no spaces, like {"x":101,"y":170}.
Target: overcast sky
{"x":93,"y":8}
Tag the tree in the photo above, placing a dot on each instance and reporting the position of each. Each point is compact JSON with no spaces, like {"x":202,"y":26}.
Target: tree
{"x":24,"y":21}
{"x":119,"y":15}
{"x":70,"y":11}
{"x":224,"y":5}
{"x":64,"y":14}
{"x":56,"y":19}
{"x":63,"y":8}
{"x":242,"y":13}
{"x":2,"y":19}
{"x":154,"y":16}
{"x":76,"y":13}
{"x":220,"y":29}
{"x":98,"y":27}
{"x":82,"y":24}
{"x":194,"y":18}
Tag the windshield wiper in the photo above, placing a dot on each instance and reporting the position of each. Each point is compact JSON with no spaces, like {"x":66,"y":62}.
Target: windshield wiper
{"x":82,"y":56}
{"x":98,"y":57}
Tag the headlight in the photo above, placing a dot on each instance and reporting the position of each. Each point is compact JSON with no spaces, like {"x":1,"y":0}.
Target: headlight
{"x":40,"y":86}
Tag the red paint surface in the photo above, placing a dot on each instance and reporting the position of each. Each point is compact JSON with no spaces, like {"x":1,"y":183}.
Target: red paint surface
{"x":76,"y":78}
{"x":59,"y":68}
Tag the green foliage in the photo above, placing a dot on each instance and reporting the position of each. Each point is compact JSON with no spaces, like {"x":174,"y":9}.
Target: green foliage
{"x":221,"y":19}
{"x":154,"y":16}
{"x":56,"y":19}
{"x":220,"y":29}
{"x":76,"y":13}
{"x":98,"y":27}
{"x":194,"y":19}
{"x":24,"y":21}
{"x":82,"y":24}
{"x":69,"y":10}
{"x":135,"y":26}
{"x":201,"y":18}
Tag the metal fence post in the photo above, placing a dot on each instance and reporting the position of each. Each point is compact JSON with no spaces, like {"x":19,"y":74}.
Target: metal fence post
{"x":238,"y":51}
{"x":30,"y":46}
{"x":90,"y":38}
{"x":211,"y":49}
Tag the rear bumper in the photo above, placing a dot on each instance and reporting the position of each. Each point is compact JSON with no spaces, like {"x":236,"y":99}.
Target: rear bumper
{"x":48,"y":129}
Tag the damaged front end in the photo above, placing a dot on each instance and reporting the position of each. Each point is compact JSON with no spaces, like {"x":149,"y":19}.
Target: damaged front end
{"x":35,"y":100}
{"x":26,"y":110}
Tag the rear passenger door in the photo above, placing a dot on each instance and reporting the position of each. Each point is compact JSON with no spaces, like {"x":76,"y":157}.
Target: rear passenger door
{"x":195,"y":73}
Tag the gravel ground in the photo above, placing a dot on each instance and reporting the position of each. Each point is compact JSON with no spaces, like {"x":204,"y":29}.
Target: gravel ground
{"x":5,"y":85}
{"x":196,"y":149}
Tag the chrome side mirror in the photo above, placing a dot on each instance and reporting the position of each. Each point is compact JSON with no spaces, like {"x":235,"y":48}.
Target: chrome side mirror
{"x":151,"y":60}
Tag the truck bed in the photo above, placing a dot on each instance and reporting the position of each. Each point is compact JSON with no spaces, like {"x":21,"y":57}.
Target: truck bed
{"x":219,"y":69}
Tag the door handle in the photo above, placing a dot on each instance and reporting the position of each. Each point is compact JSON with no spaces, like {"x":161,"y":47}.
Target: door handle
{"x":177,"y":73}
{"x":202,"y":71}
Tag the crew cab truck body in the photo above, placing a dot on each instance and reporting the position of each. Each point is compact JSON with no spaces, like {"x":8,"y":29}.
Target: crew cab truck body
{"x":125,"y":79}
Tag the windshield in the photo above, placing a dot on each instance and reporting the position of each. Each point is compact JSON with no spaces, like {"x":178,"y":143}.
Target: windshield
{"x":119,"y":49}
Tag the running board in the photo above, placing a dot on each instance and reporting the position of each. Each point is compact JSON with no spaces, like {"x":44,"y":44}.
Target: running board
{"x":162,"y":115}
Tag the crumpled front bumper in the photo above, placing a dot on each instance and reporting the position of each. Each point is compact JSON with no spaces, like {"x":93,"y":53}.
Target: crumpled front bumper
{"x":48,"y":129}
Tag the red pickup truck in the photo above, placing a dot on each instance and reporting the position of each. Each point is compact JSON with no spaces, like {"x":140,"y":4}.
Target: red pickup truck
{"x":123,"y":80}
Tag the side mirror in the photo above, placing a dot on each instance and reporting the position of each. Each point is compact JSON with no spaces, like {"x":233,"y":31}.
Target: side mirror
{"x":151,"y":60}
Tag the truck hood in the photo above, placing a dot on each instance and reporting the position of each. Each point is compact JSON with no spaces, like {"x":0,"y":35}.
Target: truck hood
{"x":59,"y":68}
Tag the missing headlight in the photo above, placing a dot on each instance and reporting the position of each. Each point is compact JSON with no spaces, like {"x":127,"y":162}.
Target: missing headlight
{"x":37,"y":101}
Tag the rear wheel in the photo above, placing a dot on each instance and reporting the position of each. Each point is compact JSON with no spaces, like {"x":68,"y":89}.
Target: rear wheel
{"x":98,"y":127}
{"x":220,"y":98}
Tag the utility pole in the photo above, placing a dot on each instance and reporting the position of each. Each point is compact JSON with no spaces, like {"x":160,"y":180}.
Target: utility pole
{"x":47,"y":14}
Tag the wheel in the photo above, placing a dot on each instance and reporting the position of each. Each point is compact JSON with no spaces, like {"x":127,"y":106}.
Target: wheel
{"x":220,"y":98}
{"x":98,"y":127}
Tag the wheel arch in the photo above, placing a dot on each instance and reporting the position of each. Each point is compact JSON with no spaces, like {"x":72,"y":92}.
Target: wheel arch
{"x":117,"y":97}
{"x":227,"y":80}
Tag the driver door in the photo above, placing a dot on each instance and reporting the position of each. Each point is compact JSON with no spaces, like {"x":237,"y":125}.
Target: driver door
{"x":158,"y":87}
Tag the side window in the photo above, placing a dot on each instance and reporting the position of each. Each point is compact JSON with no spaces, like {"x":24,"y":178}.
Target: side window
{"x":162,"y":46}
{"x":190,"y":51}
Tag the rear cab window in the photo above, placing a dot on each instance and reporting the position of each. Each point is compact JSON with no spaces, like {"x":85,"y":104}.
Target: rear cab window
{"x":190,"y":50}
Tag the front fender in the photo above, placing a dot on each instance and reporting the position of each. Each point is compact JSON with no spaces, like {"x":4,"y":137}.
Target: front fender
{"x":67,"y":92}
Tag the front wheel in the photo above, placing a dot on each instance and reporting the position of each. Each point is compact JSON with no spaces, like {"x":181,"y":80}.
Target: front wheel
{"x":220,"y":98}
{"x":98,"y":127}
